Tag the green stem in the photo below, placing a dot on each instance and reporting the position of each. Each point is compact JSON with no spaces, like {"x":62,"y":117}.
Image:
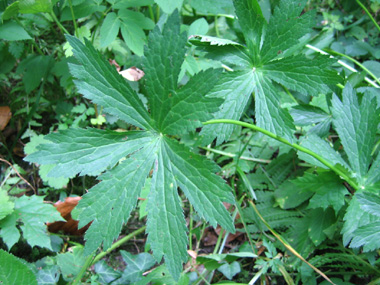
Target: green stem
{"x":191,"y":228}
{"x":117,"y":244}
{"x":83,"y":270}
{"x":61,"y":27}
{"x":73,"y":16}
{"x":151,"y":13}
{"x":219,"y":240}
{"x":354,"y":61}
{"x":33,"y":40}
{"x":238,"y":207}
{"x":216,"y":26}
{"x":246,"y":182}
{"x":289,"y":94}
{"x":158,"y":13}
{"x":228,"y":154}
{"x":286,"y":244}
{"x":295,"y":146}
{"x":342,"y":63}
{"x":369,"y":14}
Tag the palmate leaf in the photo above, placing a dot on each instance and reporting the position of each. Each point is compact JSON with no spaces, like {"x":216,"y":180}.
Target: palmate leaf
{"x":264,"y":63}
{"x":356,"y":125}
{"x":173,"y":111}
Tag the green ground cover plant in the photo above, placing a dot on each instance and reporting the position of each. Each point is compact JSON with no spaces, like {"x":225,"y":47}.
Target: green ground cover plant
{"x":247,"y":152}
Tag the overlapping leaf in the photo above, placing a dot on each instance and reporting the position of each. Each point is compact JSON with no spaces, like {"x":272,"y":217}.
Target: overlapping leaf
{"x":271,"y":49}
{"x":357,"y":126}
{"x":173,"y":110}
{"x":33,"y":214}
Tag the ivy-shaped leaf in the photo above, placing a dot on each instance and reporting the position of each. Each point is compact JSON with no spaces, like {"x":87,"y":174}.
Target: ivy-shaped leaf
{"x":34,"y":214}
{"x":270,"y":59}
{"x":173,"y":110}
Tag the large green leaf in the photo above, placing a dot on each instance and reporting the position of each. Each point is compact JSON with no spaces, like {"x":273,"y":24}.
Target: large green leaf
{"x":212,"y":6}
{"x":87,"y":151}
{"x":162,"y":63}
{"x":14,"y":271}
{"x":356,"y":125}
{"x":71,"y":262}
{"x":367,"y":236}
{"x":269,"y":114}
{"x":136,"y":266}
{"x":109,"y":29}
{"x":6,"y":206}
{"x":98,"y":81}
{"x":299,"y":74}
{"x":132,"y":27}
{"x":264,"y":64}
{"x":373,"y":174}
{"x":369,"y":202}
{"x":239,"y":87}
{"x":136,"y":153}
{"x":205,"y":190}
{"x":323,"y":149}
{"x":168,"y":6}
{"x":320,"y":220}
{"x":285,"y":28}
{"x":252,"y":22}
{"x":12,"y":31}
{"x":166,"y":224}
{"x":118,"y":190}
{"x":355,"y":218}
{"x":35,"y":6}
{"x":34,"y":214}
{"x":328,"y":189}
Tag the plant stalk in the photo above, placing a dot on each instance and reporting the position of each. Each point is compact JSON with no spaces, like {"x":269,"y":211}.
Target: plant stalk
{"x":286,"y":244}
{"x":369,"y":14}
{"x":294,"y":145}
{"x":117,"y":244}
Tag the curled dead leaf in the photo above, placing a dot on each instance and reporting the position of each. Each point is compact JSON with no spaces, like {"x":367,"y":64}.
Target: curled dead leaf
{"x":71,"y":225}
{"x":132,"y":73}
{"x":192,"y":253}
{"x":5,"y":116}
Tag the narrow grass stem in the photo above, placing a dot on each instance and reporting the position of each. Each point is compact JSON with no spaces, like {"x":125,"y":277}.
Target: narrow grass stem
{"x":61,"y":27}
{"x":354,"y":61}
{"x":342,"y":64}
{"x":191,"y":228}
{"x":73,"y":16}
{"x":286,"y":244}
{"x":369,"y":14}
{"x":151,"y":13}
{"x":228,"y":154}
{"x":293,"y":145}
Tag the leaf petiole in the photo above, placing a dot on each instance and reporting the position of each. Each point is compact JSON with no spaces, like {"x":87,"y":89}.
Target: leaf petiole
{"x":293,"y":145}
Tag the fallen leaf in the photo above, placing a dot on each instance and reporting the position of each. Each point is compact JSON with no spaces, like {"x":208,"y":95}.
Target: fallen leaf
{"x":114,"y":63}
{"x":71,"y":225}
{"x":5,"y":116}
{"x":132,"y":74}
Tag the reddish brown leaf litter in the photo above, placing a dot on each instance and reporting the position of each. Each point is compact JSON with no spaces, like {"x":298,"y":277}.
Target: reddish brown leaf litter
{"x":5,"y":116}
{"x":70,"y":226}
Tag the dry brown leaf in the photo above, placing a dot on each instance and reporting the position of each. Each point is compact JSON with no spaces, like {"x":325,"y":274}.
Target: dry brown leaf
{"x":70,"y":226}
{"x":132,"y":74}
{"x":5,"y":116}
{"x":192,"y":253}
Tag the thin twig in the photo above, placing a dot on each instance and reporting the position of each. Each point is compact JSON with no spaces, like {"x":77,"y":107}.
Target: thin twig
{"x":18,"y":174}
